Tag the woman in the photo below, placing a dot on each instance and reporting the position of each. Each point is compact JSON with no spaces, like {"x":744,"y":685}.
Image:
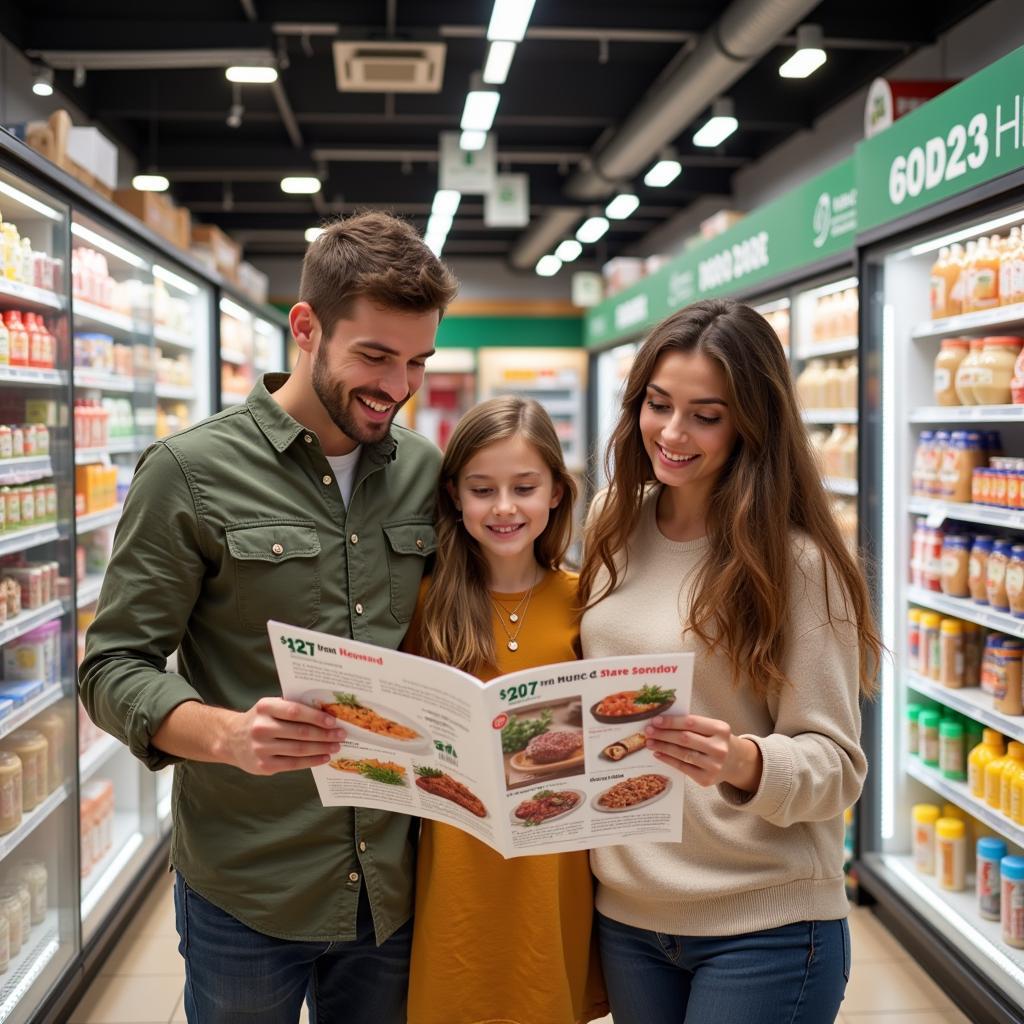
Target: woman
{"x":715,"y":536}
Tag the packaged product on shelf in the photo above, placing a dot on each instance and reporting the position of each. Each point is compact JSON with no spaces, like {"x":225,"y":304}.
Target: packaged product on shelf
{"x":34,"y":875}
{"x":952,"y":353}
{"x":931,"y":578}
{"x":990,"y":748}
{"x":965,"y":374}
{"x":913,"y":734}
{"x":51,"y":725}
{"x":998,"y":560}
{"x":990,"y":851}
{"x":1011,"y":911}
{"x":956,"y":549}
{"x":10,"y":907}
{"x":951,"y":749}
{"x":1017,"y":799}
{"x":983,"y":290}
{"x":951,"y":665}
{"x":924,"y":816}
{"x":31,"y":746}
{"x":931,"y":646}
{"x":994,"y":779}
{"x":951,"y":854}
{"x":928,"y":724}
{"x":995,"y":370}
{"x":914,"y":639}
{"x":1014,"y":766}
{"x":10,"y":791}
{"x":1006,"y":686}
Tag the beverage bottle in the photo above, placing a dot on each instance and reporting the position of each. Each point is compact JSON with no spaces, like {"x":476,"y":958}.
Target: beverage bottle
{"x":937,"y":290}
{"x":990,"y":748}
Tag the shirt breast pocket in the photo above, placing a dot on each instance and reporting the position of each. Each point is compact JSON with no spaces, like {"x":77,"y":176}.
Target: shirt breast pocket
{"x":277,"y":571}
{"x":409,"y":543}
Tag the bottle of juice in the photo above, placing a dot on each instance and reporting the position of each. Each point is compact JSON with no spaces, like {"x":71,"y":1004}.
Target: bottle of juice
{"x":990,"y":748}
{"x":1014,"y":765}
{"x":1008,"y":256}
{"x":1017,"y":272}
{"x":994,"y":781}
{"x":5,"y":343}
{"x":985,"y":278}
{"x":937,"y":292}
{"x":18,"y":337}
{"x":965,"y":283}
{"x":1017,"y":798}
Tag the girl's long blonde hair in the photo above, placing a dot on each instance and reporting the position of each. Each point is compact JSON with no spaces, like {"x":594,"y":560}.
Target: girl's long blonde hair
{"x":769,"y":488}
{"x":457,"y":627}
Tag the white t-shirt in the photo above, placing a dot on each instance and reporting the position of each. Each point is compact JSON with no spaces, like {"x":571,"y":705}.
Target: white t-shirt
{"x":344,"y":467}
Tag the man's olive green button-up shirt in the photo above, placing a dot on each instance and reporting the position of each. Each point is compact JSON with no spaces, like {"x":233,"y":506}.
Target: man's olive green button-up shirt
{"x":230,"y":523}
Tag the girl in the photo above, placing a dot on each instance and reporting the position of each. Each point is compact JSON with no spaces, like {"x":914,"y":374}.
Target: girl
{"x":500,"y":940}
{"x":715,"y":535}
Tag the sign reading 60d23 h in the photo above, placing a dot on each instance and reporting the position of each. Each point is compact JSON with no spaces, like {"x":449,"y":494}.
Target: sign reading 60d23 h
{"x":969,"y":134}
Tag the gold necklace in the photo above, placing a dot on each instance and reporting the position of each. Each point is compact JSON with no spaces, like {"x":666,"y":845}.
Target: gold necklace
{"x":512,"y":638}
{"x":513,"y":616}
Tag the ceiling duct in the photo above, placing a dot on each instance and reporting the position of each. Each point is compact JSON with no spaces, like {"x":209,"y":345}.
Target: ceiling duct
{"x":746,"y":31}
{"x":389,"y":67}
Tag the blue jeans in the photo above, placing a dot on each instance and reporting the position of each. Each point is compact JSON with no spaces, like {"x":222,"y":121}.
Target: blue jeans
{"x":796,"y":974}
{"x":235,"y":975}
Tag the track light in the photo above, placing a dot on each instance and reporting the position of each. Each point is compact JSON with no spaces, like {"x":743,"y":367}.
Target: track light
{"x":569,"y":250}
{"x":719,"y":126}
{"x":622,"y":205}
{"x":664,"y":172}
{"x":810,"y":53}
{"x":548,"y":266}
{"x":42,"y":81}
{"x":592,"y":229}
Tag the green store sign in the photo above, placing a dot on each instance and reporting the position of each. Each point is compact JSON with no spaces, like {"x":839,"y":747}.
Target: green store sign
{"x":812,"y":222}
{"x":968,"y":135}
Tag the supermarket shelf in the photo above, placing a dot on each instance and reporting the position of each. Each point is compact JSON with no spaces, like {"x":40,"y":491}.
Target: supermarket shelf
{"x":118,"y":446}
{"x":235,"y":358}
{"x":88,"y":313}
{"x":114,"y":867}
{"x":830,"y":416}
{"x":97,"y":520}
{"x":99,"y":381}
{"x":32,"y":820}
{"x":226,"y":399}
{"x":967,"y":414}
{"x":962,"y":608}
{"x":982,"y":322}
{"x":21,"y":471}
{"x":40,"y":702}
{"x":836,"y":347}
{"x":39,"y":949}
{"x":964,"y":512}
{"x":971,"y":701}
{"x":88,"y":591}
{"x":165,"y":336}
{"x":26,"y":294}
{"x":840,"y":485}
{"x":96,"y":756}
{"x":29,"y":620}
{"x":958,"y":793}
{"x":30,"y":537}
{"x":174,"y":391}
{"x":29,"y":375}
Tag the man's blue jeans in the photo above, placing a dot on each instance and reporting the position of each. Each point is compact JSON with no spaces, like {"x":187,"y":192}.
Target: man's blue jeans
{"x":235,"y":975}
{"x":796,"y":974}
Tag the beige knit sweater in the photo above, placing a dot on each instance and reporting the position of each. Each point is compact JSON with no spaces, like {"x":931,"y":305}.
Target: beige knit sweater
{"x":747,"y":861}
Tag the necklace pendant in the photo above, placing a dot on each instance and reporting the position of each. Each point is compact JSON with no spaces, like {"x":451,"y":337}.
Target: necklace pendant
{"x":513,"y":617}
{"x":513,"y":645}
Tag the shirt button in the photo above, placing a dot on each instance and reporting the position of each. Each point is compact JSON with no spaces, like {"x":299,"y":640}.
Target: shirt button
{"x":353,"y":876}
{"x":362,"y":846}
{"x":327,"y":480}
{"x":277,"y":549}
{"x":354,"y":538}
{"x":308,"y":438}
{"x":419,"y":543}
{"x":359,"y":609}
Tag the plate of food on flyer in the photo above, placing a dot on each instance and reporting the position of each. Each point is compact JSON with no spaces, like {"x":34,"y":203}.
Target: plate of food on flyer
{"x":388,"y":773}
{"x":550,"y":751}
{"x":633,"y":705}
{"x":546,"y":805}
{"x":632,"y":793}
{"x":440,"y":784}
{"x":371,"y":723}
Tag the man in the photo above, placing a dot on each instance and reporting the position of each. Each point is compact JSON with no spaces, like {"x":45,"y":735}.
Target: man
{"x":308,"y":506}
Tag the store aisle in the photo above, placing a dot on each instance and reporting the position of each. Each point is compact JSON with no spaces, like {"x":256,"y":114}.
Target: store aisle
{"x":141,"y":981}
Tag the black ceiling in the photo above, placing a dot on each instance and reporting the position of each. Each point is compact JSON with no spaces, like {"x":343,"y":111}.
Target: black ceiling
{"x":562,"y":94}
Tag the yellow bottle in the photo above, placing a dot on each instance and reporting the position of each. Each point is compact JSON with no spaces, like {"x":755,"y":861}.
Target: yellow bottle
{"x":1014,"y":764}
{"x":994,"y":781}
{"x":1008,"y":255}
{"x":990,"y":747}
{"x":1017,"y":798}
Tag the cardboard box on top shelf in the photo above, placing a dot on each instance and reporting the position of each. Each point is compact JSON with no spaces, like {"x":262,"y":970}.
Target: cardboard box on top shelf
{"x":158,"y":212}
{"x":253,"y":282}
{"x":719,"y":221}
{"x":93,"y":151}
{"x":214,"y":248}
{"x":51,"y":138}
{"x":621,"y":272}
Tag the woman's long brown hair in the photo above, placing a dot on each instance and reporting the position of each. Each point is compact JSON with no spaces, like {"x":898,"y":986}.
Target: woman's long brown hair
{"x":769,"y":489}
{"x":457,"y":627}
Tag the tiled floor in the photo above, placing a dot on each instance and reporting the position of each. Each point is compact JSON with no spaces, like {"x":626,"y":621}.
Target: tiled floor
{"x":141,"y":982}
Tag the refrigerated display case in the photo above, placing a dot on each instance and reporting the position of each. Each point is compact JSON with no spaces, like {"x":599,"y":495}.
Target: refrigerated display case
{"x":448,"y":392}
{"x":610,"y":371}
{"x":252,"y":340}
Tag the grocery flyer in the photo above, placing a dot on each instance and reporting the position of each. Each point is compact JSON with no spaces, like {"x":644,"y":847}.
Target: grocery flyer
{"x":546,"y":760}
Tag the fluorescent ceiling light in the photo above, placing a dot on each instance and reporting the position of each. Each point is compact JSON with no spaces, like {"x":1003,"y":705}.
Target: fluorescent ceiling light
{"x":809,"y":54}
{"x":569,"y":250}
{"x":548,"y":266}
{"x":622,"y":206}
{"x":42,"y":82}
{"x":972,"y":232}
{"x":481,"y":106}
{"x":592,"y":229}
{"x":251,"y":75}
{"x":300,"y":185}
{"x":312,"y":234}
{"x":472,"y":142}
{"x":509,"y":19}
{"x":446,"y":202}
{"x":234,"y":310}
{"x":439,"y":224}
{"x":27,"y":201}
{"x":169,"y":277}
{"x":718,"y":127}
{"x":499,"y":60}
{"x":150,"y":183}
{"x":109,"y":247}
{"x":435,"y":243}
{"x":664,"y":172}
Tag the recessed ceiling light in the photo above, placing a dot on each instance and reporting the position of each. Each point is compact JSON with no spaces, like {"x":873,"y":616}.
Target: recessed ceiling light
{"x":446,"y":202}
{"x":251,"y":75}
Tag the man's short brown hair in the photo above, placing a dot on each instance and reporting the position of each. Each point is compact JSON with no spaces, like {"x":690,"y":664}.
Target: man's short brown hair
{"x":376,"y":256}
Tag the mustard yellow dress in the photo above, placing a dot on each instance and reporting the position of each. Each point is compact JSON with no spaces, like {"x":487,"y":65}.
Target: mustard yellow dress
{"x":506,"y":941}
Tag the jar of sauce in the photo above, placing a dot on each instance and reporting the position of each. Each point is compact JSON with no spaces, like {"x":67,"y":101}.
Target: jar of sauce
{"x":10,"y":791}
{"x":952,"y":353}
{"x":922,"y":459}
{"x":932,"y":567}
{"x":956,"y":556}
{"x":31,"y":746}
{"x":1015,"y":581}
{"x":998,"y":560}
{"x":951,"y":657}
{"x":1007,"y":661}
{"x":996,"y":369}
{"x":933,"y":468}
{"x":963,"y":382}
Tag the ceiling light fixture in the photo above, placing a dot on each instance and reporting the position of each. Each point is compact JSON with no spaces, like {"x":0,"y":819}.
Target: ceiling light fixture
{"x":439,"y":224}
{"x":300,"y":185}
{"x":312,"y":234}
{"x":509,"y":20}
{"x":548,"y":266}
{"x":568,"y":250}
{"x":592,"y":229}
{"x":810,"y":53}
{"x":42,"y":81}
{"x":622,"y":205}
{"x":499,"y":60}
{"x":150,"y":183}
{"x":664,"y":172}
{"x":472,"y":142}
{"x":247,"y":75}
{"x":481,"y":106}
{"x":446,"y":202}
{"x":719,"y":126}
{"x":435,"y":242}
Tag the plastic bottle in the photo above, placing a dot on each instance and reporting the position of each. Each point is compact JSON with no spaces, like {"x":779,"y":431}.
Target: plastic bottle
{"x":994,"y":781}
{"x":990,"y":748}
{"x":913,"y":713}
{"x":928,"y":723}
{"x":930,"y":664}
{"x":1014,"y":764}
{"x":1008,"y":256}
{"x":951,"y":854}
{"x":937,"y":291}
{"x":925,"y":816}
{"x":957,"y":276}
{"x":951,"y":750}
{"x":1011,"y":870}
{"x":965,"y":284}
{"x":951,"y":656}
{"x":990,"y":851}
{"x":985,"y":277}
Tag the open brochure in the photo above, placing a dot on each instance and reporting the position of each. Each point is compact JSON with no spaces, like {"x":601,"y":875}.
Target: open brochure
{"x":545,"y":760}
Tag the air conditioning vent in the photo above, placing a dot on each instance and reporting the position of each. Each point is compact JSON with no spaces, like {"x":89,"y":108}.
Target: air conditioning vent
{"x":389,"y":67}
